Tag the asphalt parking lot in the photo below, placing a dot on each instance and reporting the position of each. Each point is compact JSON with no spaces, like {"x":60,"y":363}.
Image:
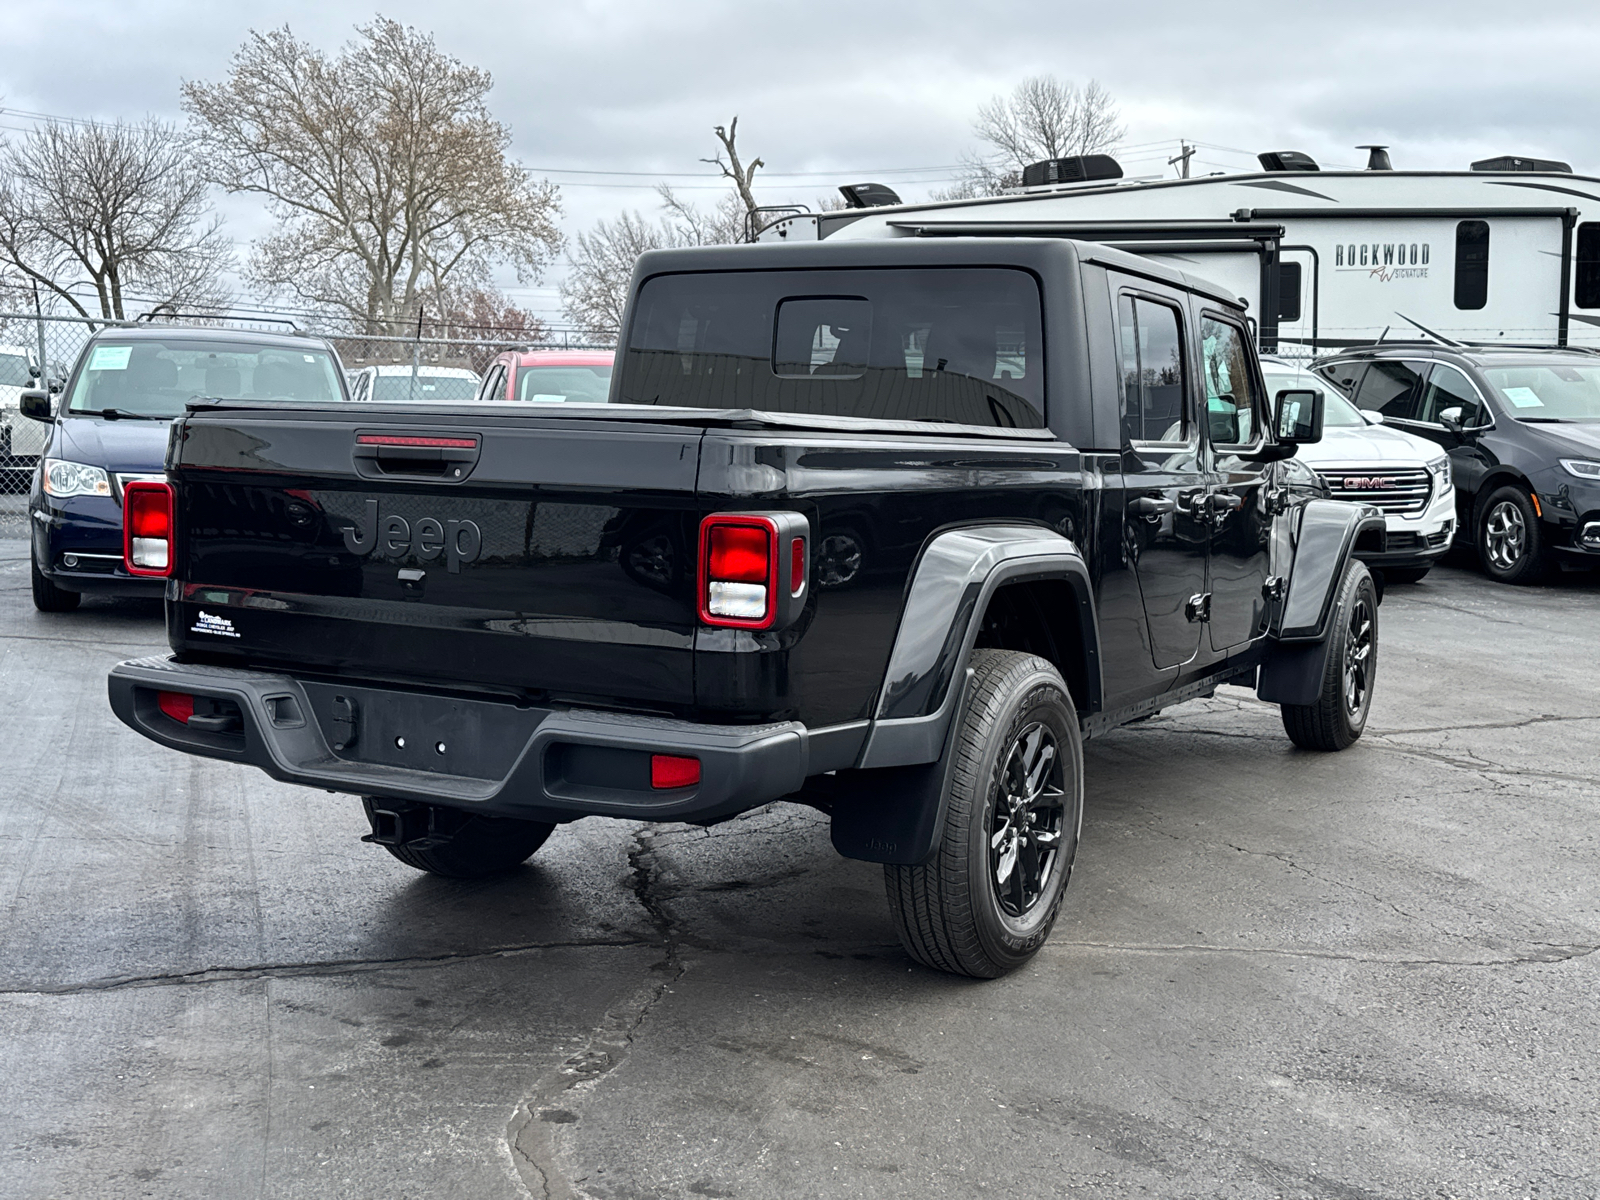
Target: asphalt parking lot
{"x":1277,"y":974}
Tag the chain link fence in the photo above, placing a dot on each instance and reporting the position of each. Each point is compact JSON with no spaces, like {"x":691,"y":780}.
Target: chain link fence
{"x":34,"y":347}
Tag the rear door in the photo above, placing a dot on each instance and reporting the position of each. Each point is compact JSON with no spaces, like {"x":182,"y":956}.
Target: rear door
{"x":1165,"y":530}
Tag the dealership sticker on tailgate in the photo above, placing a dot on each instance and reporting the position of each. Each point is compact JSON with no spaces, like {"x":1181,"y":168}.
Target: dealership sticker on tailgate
{"x":220,"y":626}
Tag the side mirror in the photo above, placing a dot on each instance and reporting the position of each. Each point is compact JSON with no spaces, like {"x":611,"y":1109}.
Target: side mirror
{"x":35,"y":403}
{"x":1450,"y":418}
{"x":1299,"y":417}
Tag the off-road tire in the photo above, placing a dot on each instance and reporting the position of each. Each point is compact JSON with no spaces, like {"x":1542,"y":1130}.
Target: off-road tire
{"x":1333,"y":722}
{"x":477,"y":847}
{"x":948,"y":911}
{"x":47,"y":597}
{"x":1510,"y":538}
{"x":1404,"y":575}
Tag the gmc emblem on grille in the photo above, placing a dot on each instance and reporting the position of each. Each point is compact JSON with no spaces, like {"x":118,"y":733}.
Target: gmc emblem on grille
{"x":395,"y":537}
{"x":1366,"y":483}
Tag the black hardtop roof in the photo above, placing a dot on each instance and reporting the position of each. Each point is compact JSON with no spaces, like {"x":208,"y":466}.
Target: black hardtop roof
{"x":1043,"y":255}
{"x":208,"y":333}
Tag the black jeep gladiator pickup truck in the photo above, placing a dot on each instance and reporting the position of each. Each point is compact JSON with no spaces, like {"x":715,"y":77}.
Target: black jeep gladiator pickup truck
{"x":887,"y":528}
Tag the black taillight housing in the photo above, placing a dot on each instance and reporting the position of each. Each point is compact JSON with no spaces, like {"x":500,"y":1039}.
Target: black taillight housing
{"x":752,"y":569}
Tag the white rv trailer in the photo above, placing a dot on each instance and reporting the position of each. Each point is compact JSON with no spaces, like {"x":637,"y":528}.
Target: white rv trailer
{"x":1323,"y":258}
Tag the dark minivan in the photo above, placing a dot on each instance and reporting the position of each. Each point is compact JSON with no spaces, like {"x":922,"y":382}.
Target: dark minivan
{"x":111,"y":430}
{"x":1522,"y":428}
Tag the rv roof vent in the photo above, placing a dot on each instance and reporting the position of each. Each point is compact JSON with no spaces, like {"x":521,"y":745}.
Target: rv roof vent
{"x":1287,"y":160}
{"x":1081,"y":169}
{"x":867,"y":195}
{"x":1510,"y":162}
{"x":1377,"y":158}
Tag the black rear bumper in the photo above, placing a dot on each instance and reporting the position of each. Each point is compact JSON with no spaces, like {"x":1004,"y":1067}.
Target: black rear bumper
{"x":548,"y":764}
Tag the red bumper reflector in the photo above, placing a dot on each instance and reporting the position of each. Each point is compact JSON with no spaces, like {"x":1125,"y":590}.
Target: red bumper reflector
{"x":177,"y":705}
{"x":670,"y":771}
{"x":797,"y":566}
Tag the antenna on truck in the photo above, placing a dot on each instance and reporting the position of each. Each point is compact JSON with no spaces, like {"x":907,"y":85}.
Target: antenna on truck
{"x":1438,"y":337}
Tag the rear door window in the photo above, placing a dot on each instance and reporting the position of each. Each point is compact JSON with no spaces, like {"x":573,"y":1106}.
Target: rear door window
{"x":1151,"y":345}
{"x":951,"y":345}
{"x":1390,"y":387}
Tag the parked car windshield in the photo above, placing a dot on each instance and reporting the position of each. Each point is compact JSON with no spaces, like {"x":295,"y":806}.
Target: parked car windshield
{"x":14,"y":371}
{"x":1564,"y":391}
{"x":157,"y":378}
{"x":1337,"y":412}
{"x":958,"y":345}
{"x":424,"y":386}
{"x":564,"y":385}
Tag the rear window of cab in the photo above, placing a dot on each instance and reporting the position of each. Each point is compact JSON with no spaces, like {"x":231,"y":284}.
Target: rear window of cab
{"x":959,"y":345}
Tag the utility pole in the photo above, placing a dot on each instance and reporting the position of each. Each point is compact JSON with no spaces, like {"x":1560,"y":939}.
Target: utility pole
{"x":1185,"y":153}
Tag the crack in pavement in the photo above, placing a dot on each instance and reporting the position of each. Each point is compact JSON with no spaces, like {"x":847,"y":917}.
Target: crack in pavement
{"x":1556,"y":953}
{"x":335,"y":966}
{"x":529,"y":1133}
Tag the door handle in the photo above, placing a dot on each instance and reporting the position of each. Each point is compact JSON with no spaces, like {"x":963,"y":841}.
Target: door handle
{"x":1151,"y":506}
{"x":1224,"y":502}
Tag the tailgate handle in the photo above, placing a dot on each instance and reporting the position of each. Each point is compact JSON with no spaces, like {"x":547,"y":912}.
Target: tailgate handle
{"x":447,"y":457}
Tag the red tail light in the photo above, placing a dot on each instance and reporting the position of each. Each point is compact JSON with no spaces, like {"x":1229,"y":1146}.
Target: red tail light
{"x":147,"y":528}
{"x":671,"y":771}
{"x":738,"y":571}
{"x":797,"y":566}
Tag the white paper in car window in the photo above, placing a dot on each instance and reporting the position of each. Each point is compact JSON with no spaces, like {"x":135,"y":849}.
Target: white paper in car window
{"x":545,"y":398}
{"x":1523,"y":397}
{"x":110,"y":358}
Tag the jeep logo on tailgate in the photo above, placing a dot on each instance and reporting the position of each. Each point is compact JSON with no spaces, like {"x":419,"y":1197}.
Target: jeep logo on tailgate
{"x":395,"y":537}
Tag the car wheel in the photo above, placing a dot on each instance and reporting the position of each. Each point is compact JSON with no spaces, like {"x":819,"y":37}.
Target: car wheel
{"x":1405,"y":574}
{"x":987,"y":899}
{"x":1510,"y":541}
{"x":452,"y":843}
{"x":1349,"y":671}
{"x":47,"y":597}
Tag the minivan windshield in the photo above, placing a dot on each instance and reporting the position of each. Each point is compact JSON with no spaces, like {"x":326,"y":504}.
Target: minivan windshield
{"x":155,"y":379}
{"x":959,"y":345}
{"x":1546,"y":390}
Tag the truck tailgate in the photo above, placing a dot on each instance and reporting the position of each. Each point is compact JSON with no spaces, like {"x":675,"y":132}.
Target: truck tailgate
{"x":547,"y":556}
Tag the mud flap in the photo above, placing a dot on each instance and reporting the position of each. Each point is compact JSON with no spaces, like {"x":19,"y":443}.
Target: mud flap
{"x":1292,"y":673}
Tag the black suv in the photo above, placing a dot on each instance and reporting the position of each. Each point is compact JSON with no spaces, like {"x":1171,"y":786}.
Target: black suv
{"x":1522,"y":427}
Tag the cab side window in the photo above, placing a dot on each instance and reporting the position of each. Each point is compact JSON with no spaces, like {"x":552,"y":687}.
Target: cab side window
{"x":1232,"y":403}
{"x":494,"y":384}
{"x":1390,"y":388}
{"x":1152,"y":371}
{"x":1448,"y":388}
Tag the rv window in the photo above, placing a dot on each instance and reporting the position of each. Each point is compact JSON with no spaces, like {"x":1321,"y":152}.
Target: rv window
{"x":1152,"y":372}
{"x":1587,"y":292}
{"x":1449,"y":388}
{"x":1472,"y":264}
{"x":1389,"y":388}
{"x":1288,"y":291}
{"x":1231,"y":402}
{"x":957,"y":345}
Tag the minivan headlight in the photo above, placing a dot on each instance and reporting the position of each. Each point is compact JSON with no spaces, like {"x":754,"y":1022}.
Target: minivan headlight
{"x":1441,"y":471}
{"x":1582,"y":468}
{"x":64,"y":479}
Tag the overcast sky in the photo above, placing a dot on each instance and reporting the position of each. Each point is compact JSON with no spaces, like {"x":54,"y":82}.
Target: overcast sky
{"x":851,"y":91}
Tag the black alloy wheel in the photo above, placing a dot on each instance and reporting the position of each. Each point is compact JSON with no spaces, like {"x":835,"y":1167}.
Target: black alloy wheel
{"x":1338,"y":715}
{"x":1025,"y":821}
{"x":986,"y":900}
{"x":1360,"y":646}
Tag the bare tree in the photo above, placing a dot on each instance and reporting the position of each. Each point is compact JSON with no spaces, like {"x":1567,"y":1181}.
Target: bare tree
{"x":119,"y":207}
{"x":741,"y":175}
{"x":385,"y":167}
{"x":1043,"y":117}
{"x":600,"y":270}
